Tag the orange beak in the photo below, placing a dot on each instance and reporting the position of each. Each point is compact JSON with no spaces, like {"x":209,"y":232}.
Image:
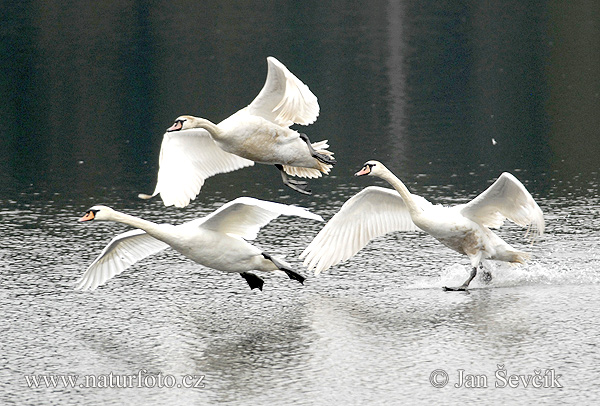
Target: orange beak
{"x":88,"y":216}
{"x":176,"y":126}
{"x":364,"y":171}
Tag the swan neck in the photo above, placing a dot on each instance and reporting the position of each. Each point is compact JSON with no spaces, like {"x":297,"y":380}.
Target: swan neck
{"x":136,"y":222}
{"x":209,"y":126}
{"x":393,"y":180}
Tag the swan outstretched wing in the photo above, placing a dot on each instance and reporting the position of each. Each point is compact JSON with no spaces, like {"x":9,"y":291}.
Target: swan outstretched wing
{"x":506,"y":198}
{"x":244,"y":216}
{"x":123,"y":251}
{"x":371,"y":213}
{"x":284,"y":99}
{"x":187,"y":159}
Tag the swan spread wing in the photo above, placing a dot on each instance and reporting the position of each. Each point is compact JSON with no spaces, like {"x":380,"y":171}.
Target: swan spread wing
{"x":284,"y":99}
{"x":371,"y":213}
{"x":187,"y":158}
{"x":244,"y":216}
{"x":505,"y":198}
{"x":123,"y":251}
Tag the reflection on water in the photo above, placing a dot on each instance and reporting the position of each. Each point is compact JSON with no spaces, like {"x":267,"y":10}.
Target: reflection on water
{"x":370,"y":330}
{"x":88,"y":90}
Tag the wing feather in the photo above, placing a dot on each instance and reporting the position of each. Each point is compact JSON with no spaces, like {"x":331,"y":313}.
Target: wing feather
{"x":284,"y":99}
{"x":123,"y":251}
{"x":245,"y":216}
{"x":373,"y":212}
{"x":506,"y":198}
{"x":187,"y":159}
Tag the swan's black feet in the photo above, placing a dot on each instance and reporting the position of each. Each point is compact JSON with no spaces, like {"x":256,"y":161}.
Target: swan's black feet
{"x":253,"y":280}
{"x":486,"y":276}
{"x":300,"y":186}
{"x":291,"y":274}
{"x":326,"y":159}
{"x":295,"y":276}
{"x":464,"y":286}
{"x":456,"y":289}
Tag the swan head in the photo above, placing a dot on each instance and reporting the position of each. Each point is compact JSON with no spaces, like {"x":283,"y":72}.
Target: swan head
{"x":374,"y":168}
{"x":97,"y":213}
{"x":182,"y":123}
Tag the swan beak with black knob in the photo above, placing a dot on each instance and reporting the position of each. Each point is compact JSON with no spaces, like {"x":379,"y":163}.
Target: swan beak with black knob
{"x":89,"y":216}
{"x":365,"y":170}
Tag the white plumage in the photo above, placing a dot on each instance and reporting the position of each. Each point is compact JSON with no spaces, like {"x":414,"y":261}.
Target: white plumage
{"x":194,"y":148}
{"x":217,"y":241}
{"x":187,"y":158}
{"x":465,"y":228}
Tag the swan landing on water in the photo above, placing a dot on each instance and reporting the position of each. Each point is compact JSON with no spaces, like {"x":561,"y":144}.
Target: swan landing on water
{"x":194,"y":149}
{"x":464,"y":228}
{"x":216,"y":241}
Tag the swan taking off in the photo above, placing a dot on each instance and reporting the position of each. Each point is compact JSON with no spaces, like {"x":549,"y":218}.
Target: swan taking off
{"x":216,"y":241}
{"x":465,"y":228}
{"x":194,"y":149}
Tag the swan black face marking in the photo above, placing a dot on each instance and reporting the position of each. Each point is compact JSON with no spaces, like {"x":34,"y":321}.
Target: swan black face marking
{"x":178,"y":125}
{"x":89,"y":215}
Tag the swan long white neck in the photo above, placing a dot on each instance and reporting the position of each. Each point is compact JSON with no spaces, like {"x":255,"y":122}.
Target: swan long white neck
{"x":209,"y":126}
{"x":155,"y":230}
{"x":393,"y":180}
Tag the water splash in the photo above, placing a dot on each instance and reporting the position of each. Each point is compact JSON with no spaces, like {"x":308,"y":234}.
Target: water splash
{"x":507,"y":275}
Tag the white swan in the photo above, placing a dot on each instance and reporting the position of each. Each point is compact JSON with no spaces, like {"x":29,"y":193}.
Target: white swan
{"x":216,"y":241}
{"x":194,"y":149}
{"x":465,"y":228}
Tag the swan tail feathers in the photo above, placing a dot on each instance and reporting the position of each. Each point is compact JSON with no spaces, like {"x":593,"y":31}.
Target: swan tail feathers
{"x":325,"y":160}
{"x":301,"y":172}
{"x":512,"y":256}
{"x":322,"y":166}
{"x":519,"y":257}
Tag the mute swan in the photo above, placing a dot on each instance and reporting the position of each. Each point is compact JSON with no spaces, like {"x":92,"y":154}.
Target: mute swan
{"x":216,"y":241}
{"x":194,"y":149}
{"x":464,"y":228}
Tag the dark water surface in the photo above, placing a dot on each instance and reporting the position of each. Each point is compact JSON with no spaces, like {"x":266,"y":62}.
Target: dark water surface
{"x":87,"y":91}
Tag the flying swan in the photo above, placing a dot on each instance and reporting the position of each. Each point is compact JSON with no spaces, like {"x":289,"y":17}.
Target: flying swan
{"x":216,"y":241}
{"x":464,"y":228}
{"x":194,"y":149}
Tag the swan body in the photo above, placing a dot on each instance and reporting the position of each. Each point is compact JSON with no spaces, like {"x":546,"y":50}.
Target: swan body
{"x":464,"y":228}
{"x":195,"y":148}
{"x":216,"y":241}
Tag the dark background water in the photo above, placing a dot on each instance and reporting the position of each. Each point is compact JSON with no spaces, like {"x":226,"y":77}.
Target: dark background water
{"x":88,"y":88}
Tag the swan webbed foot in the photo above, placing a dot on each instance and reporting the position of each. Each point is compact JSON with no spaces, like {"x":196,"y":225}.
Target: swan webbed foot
{"x":300,"y":186}
{"x":455,"y":289}
{"x":291,"y":274}
{"x":464,"y":286}
{"x":253,"y":281}
{"x":295,"y":276}
{"x":328,"y":160}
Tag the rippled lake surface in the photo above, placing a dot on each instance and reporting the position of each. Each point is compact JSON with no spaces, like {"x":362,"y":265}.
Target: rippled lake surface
{"x":424,"y":88}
